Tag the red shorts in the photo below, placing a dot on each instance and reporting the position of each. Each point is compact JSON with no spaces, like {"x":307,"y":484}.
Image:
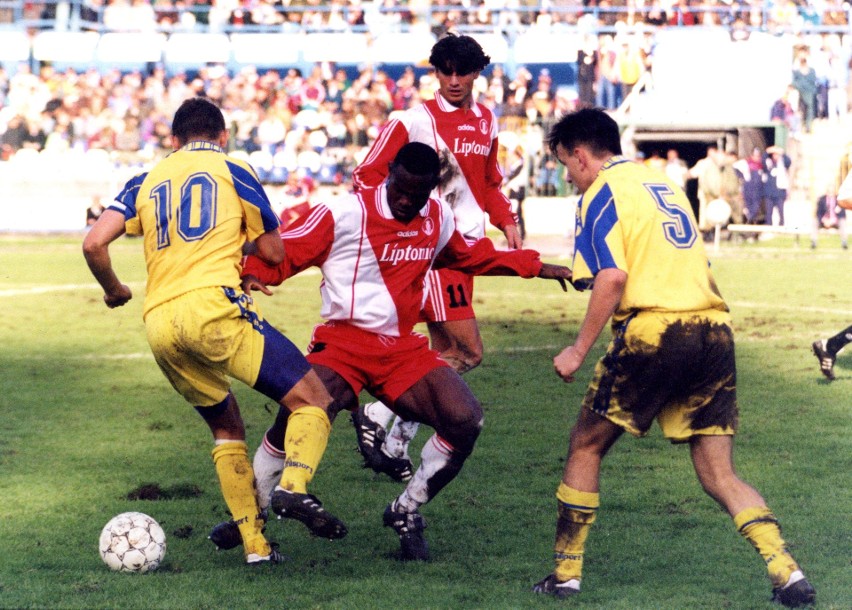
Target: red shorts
{"x":449,"y":296}
{"x":384,"y":366}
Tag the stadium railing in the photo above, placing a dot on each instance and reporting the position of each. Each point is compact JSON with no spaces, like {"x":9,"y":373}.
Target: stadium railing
{"x":80,"y":15}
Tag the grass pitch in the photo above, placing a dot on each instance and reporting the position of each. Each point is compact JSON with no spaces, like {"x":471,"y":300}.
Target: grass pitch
{"x":89,"y":428}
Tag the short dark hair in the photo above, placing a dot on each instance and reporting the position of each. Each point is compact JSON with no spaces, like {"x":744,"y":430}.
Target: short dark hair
{"x":591,"y":127}
{"x":419,"y":159}
{"x":458,"y":53}
{"x":198,"y":117}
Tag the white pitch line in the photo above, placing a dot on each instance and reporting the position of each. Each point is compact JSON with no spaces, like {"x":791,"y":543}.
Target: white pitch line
{"x":16,"y":292}
{"x":781,"y":307}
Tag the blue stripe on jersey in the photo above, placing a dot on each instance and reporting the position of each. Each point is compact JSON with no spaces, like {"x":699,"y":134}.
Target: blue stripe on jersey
{"x":249,"y":189}
{"x":598,"y":221}
{"x":126,"y":200}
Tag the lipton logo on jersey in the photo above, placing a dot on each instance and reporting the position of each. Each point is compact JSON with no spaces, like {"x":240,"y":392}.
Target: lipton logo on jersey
{"x":465,"y":148}
{"x":467,"y":128}
{"x":393,"y":254}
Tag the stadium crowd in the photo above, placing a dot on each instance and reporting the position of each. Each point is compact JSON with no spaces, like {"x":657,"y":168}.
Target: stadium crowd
{"x":503,"y":15}
{"x":320,"y":123}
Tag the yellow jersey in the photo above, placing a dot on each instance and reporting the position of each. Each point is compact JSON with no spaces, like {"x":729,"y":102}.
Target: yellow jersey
{"x":635,"y":219}
{"x":195,"y":209}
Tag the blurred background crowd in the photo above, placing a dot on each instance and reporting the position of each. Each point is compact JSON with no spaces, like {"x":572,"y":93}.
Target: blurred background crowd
{"x":308,"y":125}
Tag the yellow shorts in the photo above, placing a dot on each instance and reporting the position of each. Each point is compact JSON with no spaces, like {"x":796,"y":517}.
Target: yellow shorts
{"x":677,"y":368}
{"x":201,"y":338}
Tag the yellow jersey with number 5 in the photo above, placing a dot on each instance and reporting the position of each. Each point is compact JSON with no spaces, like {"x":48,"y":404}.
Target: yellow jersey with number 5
{"x":635,"y":219}
{"x":195,"y":209}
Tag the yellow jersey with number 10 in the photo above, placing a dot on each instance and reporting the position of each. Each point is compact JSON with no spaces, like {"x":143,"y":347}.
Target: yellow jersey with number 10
{"x":195,"y":209}
{"x":635,"y":219}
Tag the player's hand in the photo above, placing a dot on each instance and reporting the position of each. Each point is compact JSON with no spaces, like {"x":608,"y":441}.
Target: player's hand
{"x":567,"y":362}
{"x":556,"y":272}
{"x":118,"y":297}
{"x":513,"y":237}
{"x":250,"y":282}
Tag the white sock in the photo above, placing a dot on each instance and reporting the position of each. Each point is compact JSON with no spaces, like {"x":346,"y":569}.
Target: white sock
{"x":268,"y":464}
{"x":399,"y":437}
{"x":434,"y":456}
{"x":378,"y":413}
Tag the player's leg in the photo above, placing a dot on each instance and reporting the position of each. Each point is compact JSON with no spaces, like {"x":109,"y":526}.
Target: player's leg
{"x":454,"y":333}
{"x":270,"y":457}
{"x":442,"y":400}
{"x":578,"y":500}
{"x":458,"y":342}
{"x":305,"y":437}
{"x":826,"y":350}
{"x":712,"y":457}
{"x":230,"y":457}
{"x":197,"y":369}
{"x":285,"y":375}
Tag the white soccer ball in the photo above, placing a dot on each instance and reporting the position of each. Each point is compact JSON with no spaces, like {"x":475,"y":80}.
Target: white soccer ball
{"x":132,"y":542}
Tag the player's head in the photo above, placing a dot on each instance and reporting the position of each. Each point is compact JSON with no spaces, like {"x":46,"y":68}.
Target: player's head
{"x":589,"y":127}
{"x":582,"y":141}
{"x":459,"y":54}
{"x":413,"y":174}
{"x":198,"y":119}
{"x":457,"y":60}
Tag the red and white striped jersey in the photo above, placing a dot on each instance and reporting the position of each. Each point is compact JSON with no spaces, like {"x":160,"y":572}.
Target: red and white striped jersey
{"x":466,"y":142}
{"x":373,"y":265}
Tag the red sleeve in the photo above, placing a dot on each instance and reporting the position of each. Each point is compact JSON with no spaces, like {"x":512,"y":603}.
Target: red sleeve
{"x":481,"y":258}
{"x":307,"y":243}
{"x":374,"y":168}
{"x":497,"y":205}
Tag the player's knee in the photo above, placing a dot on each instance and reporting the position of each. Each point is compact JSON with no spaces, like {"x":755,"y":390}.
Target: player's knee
{"x":463,"y":429}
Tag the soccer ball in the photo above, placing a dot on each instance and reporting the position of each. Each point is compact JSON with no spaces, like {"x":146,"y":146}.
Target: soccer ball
{"x":132,"y":542}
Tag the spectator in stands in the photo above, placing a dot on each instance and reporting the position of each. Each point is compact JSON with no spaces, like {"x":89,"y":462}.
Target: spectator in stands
{"x":776,"y":164}
{"x":787,"y":110}
{"x":516,"y":176}
{"x":519,"y":91}
{"x":12,"y":140}
{"x":837,"y":100}
{"x":608,"y":90}
{"x":547,"y":178}
{"x":681,"y":14}
{"x":752,"y":177}
{"x":829,"y":215}
{"x":676,"y":168}
{"x":805,"y":82}
{"x":587,"y":71}
{"x":630,"y":64}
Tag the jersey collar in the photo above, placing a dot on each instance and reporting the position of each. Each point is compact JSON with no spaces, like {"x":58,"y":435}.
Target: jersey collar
{"x":203,"y":145}
{"x":445,"y":106}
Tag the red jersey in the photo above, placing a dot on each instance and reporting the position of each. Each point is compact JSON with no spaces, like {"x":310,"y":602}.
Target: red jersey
{"x":373,"y":265}
{"x":466,"y":142}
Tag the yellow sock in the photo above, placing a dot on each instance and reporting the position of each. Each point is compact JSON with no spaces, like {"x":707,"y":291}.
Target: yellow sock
{"x":304,"y":445}
{"x":576,"y":513}
{"x":236,"y":478}
{"x":760,"y":527}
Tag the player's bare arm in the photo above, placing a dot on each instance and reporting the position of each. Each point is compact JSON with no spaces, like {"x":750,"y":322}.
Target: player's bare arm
{"x":108,"y":228}
{"x":605,"y":297}
{"x":269,"y":247}
{"x":557,"y":272}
